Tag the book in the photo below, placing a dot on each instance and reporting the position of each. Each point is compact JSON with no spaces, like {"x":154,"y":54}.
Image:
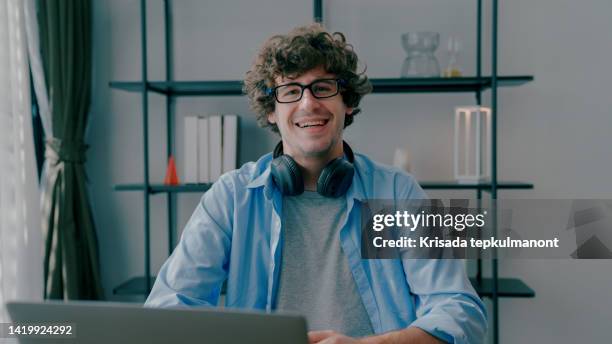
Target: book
{"x":191,"y":150}
{"x":230,"y":142}
{"x":203,"y":151}
{"x":215,"y":143}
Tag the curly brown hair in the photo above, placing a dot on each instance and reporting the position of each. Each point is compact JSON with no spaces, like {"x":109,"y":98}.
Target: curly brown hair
{"x":301,"y":50}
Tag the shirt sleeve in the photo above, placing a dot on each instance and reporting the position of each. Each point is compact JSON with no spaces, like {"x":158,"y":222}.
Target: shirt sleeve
{"x":194,"y":274}
{"x":447,"y":305}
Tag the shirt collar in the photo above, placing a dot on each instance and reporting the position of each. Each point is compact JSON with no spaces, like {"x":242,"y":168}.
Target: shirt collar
{"x":356,"y":190}
{"x":260,"y":180}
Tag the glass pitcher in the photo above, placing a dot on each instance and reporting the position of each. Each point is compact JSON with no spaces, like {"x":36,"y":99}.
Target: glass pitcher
{"x":421,"y":61}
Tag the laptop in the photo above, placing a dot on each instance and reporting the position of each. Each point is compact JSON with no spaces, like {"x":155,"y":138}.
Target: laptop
{"x":105,"y":322}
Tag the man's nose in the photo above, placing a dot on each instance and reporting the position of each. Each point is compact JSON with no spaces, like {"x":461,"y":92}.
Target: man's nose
{"x":308,"y":101}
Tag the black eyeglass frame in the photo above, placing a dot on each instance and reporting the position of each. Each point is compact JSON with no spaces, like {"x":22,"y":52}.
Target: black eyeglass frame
{"x":272,"y":91}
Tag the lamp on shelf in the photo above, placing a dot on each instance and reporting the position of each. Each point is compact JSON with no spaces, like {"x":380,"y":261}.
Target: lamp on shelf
{"x":472,"y":144}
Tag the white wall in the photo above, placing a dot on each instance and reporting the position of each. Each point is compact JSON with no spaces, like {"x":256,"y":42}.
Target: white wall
{"x":553,"y":132}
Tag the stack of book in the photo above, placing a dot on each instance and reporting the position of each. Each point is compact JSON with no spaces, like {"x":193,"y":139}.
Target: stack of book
{"x":211,"y":144}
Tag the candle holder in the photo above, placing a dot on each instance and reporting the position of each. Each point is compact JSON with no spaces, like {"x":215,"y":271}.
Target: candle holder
{"x":472,"y":144}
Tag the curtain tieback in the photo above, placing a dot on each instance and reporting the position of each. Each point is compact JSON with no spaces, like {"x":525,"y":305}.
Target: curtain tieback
{"x":72,"y":151}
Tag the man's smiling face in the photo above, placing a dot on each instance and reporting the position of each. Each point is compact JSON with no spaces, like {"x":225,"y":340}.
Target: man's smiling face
{"x":311,"y":127}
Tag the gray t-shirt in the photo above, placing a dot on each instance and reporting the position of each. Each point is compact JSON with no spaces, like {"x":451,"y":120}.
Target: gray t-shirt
{"x":315,"y":279}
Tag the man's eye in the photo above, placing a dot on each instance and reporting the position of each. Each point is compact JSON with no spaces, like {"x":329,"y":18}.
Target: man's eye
{"x":290,"y":92}
{"x":322,"y":88}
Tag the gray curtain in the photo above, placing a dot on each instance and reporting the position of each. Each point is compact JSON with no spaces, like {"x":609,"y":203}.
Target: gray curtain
{"x":71,"y":264}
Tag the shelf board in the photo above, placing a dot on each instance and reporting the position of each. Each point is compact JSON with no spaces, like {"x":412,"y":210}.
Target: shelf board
{"x":506,"y":287}
{"x":136,"y":286}
{"x":432,"y":185}
{"x":454,"y":185}
{"x":133,"y":286}
{"x":442,"y":85}
{"x":159,"y":188}
{"x":184,"y":88}
{"x":384,"y":85}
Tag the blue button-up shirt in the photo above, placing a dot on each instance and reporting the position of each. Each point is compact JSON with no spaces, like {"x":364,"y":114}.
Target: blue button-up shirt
{"x":234,"y":234}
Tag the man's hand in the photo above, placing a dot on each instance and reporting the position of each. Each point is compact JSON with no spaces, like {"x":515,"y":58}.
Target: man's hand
{"x":407,"y":335}
{"x":330,"y":337}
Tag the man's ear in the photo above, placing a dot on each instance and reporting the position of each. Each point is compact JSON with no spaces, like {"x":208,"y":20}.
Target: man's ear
{"x":349,"y":111}
{"x":272,"y":118}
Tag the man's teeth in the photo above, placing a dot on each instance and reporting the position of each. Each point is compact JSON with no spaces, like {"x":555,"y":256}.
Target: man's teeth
{"x":311,"y":124}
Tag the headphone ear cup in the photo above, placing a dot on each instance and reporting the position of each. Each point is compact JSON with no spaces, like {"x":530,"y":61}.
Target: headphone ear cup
{"x":287,"y":175}
{"x":336,"y":178}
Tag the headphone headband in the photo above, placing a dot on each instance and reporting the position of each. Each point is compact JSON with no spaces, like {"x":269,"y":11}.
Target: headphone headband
{"x":278,"y":151}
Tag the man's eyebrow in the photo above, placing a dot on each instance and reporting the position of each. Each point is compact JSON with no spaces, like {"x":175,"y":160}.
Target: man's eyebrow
{"x":293,"y":81}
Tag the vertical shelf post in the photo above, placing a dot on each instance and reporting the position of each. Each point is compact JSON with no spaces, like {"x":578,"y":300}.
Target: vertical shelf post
{"x":170,"y":149}
{"x":318,"y":11}
{"x":494,"y":287}
{"x":145,"y":125}
{"x":479,"y":49}
{"x":479,"y":260}
{"x":479,"y":103}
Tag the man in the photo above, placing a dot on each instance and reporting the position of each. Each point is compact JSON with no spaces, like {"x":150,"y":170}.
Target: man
{"x":284,"y":232}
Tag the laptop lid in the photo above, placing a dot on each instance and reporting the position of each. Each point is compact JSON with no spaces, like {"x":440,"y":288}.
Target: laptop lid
{"x":105,"y":322}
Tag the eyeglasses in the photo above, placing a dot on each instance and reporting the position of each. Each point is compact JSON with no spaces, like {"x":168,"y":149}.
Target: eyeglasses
{"x":293,"y":92}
